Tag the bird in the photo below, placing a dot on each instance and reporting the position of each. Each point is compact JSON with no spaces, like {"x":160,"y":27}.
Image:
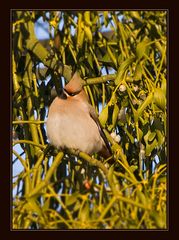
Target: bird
{"x":73,"y":123}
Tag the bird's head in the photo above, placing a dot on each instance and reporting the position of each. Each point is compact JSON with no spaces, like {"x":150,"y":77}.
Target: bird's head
{"x":74,"y":89}
{"x":74,"y":86}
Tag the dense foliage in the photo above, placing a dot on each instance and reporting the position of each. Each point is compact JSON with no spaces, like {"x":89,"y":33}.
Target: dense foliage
{"x":121,"y":55}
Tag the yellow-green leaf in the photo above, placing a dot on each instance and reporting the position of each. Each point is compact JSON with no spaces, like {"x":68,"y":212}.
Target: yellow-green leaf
{"x":138,"y":73}
{"x":151,"y":136}
{"x":142,"y":48}
{"x":160,"y":137}
{"x":164,"y":85}
{"x":159,"y":98}
{"x":150,"y":147}
{"x":84,"y":213}
{"x":145,"y":103}
{"x":87,"y":18}
{"x":88,"y":33}
{"x":115,"y":114}
{"x":103,"y":117}
{"x":70,"y":199}
{"x":123,"y":68}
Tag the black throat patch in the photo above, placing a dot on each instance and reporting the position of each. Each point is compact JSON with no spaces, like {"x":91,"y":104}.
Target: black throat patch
{"x":62,"y":95}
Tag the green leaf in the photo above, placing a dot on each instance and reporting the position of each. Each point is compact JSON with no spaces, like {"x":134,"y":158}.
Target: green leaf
{"x":159,"y":98}
{"x":145,"y":103}
{"x":164,"y":85}
{"x":162,"y":180}
{"x":138,"y":73}
{"x":87,"y":18}
{"x":135,"y":14}
{"x":106,"y":18}
{"x":70,"y":199}
{"x":113,"y":100}
{"x":142,"y":48}
{"x":140,"y":134}
{"x":142,"y":197}
{"x":129,"y":135}
{"x":88,"y":33}
{"x":111,"y":53}
{"x":77,"y":206}
{"x":80,"y":31}
{"x":160,"y":219}
{"x":20,"y":41}
{"x":158,"y":124}
{"x":90,"y":60}
{"x":110,"y":174}
{"x":103,"y":117}
{"x":124,"y":66}
{"x":150,"y":147}
{"x":133,"y":168}
{"x":46,"y":204}
{"x":106,"y":59}
{"x":115,"y":114}
{"x":160,"y":137}
{"x":84,"y":213}
{"x":32,"y":205}
{"x":151,"y":136}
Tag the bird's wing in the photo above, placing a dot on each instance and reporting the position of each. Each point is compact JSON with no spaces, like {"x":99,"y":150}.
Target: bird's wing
{"x":95,"y":118}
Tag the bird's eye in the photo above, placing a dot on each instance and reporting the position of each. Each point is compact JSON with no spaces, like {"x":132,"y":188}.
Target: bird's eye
{"x":71,"y":94}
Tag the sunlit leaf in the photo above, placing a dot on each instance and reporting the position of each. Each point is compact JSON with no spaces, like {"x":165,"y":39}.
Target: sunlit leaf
{"x":151,"y":136}
{"x":138,"y":73}
{"x":159,"y":98}
{"x":69,"y":200}
{"x":84,"y":214}
{"x":123,"y":67}
{"x":142,"y":48}
{"x":103,"y":117}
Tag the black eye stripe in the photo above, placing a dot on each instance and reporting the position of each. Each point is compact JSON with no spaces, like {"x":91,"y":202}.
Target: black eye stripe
{"x":71,"y":94}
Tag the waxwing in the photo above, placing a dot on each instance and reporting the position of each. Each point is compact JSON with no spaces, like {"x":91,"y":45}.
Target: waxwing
{"x":73,"y":123}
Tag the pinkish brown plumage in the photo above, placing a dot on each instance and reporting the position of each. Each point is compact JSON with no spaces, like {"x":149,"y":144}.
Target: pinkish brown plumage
{"x":72,"y":122}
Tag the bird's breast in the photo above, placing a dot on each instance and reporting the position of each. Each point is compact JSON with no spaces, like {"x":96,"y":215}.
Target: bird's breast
{"x":71,"y":126}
